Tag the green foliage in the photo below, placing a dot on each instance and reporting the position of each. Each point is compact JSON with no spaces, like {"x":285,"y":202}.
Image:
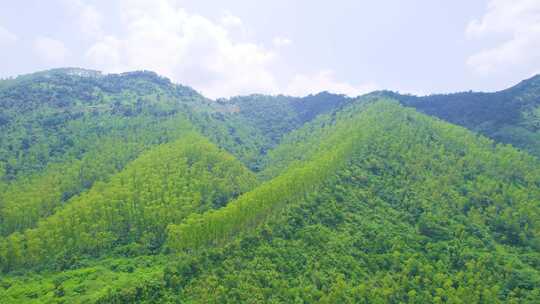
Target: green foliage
{"x":58,"y":115}
{"x":509,"y":116}
{"x":161,"y":187}
{"x":423,"y":212}
{"x":254,"y":207}
{"x":117,"y":189}
{"x":92,"y":283}
{"x":36,"y":196}
{"x":259,"y":122}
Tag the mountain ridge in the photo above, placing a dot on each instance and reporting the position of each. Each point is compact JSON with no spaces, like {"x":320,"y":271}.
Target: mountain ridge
{"x":79,"y":71}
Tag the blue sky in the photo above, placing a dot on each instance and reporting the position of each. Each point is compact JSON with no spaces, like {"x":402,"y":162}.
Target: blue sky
{"x":226,"y":48}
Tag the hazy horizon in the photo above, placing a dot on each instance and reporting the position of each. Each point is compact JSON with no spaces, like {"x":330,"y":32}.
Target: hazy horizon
{"x":276,"y":93}
{"x":277,"y":47}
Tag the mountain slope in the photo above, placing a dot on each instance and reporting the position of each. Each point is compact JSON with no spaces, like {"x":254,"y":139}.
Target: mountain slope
{"x":160,"y":187}
{"x":422,"y":212}
{"x":58,"y":115}
{"x":63,"y":130}
{"x":509,"y":116}
{"x":33,"y":196}
{"x":273,"y":117}
{"x":55,"y":115}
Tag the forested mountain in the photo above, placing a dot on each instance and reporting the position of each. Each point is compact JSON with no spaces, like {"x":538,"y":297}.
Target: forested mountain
{"x":58,"y":114}
{"x":275,"y":116}
{"x":510,"y":116}
{"x":405,"y":209}
{"x":160,"y":187}
{"x":128,"y":188}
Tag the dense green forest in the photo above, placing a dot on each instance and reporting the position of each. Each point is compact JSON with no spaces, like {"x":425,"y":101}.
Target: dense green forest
{"x":128,"y":188}
{"x":511,"y":116}
{"x":420,"y":211}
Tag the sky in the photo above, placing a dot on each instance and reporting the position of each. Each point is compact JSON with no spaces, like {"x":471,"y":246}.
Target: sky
{"x":238,"y":47}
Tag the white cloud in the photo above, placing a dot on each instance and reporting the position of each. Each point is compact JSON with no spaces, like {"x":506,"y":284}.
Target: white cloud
{"x":50,"y":51}
{"x":88,"y":18}
{"x":229,"y":20}
{"x":7,"y":37}
{"x":215,"y":57}
{"x":281,"y":41}
{"x":324,"y":80}
{"x":163,"y":37}
{"x":106,"y":54}
{"x":517,"y":23}
{"x":91,"y":21}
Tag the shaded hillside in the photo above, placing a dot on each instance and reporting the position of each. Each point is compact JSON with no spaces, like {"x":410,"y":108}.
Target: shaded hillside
{"x":509,"y":116}
{"x":272,"y":117}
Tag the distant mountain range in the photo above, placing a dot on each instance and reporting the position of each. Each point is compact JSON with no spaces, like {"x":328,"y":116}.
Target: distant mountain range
{"x":510,"y":116}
